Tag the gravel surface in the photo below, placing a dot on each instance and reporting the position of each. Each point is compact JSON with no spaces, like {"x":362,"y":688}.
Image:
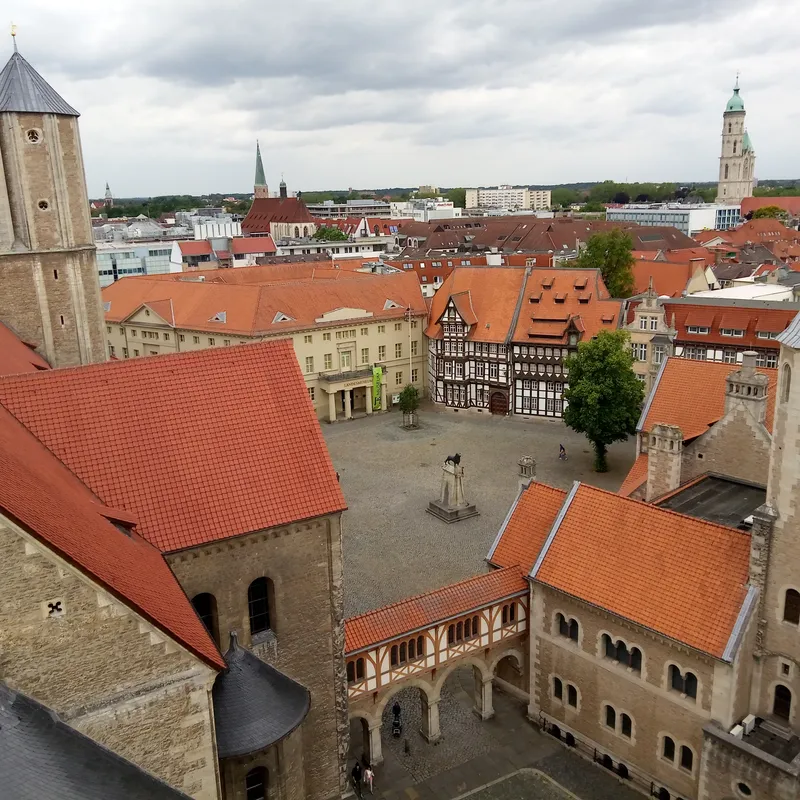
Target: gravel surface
{"x":392,"y":547}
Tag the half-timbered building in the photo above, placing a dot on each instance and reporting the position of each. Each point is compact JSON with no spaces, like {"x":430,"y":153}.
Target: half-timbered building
{"x":499,"y":336}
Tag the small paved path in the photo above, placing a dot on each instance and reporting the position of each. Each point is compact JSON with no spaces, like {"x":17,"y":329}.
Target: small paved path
{"x":475,"y":755}
{"x":392,"y":547}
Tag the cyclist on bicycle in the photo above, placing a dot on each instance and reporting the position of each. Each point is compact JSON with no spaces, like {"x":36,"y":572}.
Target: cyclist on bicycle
{"x":562,"y":453}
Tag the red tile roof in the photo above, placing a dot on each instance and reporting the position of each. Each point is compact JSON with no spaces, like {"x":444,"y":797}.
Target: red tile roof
{"x":521,"y":540}
{"x":266,"y":210}
{"x":636,"y":477}
{"x":199,"y":446}
{"x":691,"y":395}
{"x":750,"y":320}
{"x":790,"y":204}
{"x":493,"y":294}
{"x":668,"y":278}
{"x":16,"y":355}
{"x":249,"y":245}
{"x":561,"y":294}
{"x":202,"y":247}
{"x":682,"y":577}
{"x":686,"y":254}
{"x":256,"y":309}
{"x":419,"y":612}
{"x":265,"y":273}
{"x":41,"y":495}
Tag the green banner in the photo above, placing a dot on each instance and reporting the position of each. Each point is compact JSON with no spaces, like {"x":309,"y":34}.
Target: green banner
{"x":377,"y":376}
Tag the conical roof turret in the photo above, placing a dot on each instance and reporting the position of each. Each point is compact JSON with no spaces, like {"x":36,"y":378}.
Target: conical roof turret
{"x":24,"y":90}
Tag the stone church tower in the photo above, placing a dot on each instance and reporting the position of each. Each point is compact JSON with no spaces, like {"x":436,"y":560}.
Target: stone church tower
{"x":260,"y":188}
{"x":49,"y":286}
{"x":737,"y":160}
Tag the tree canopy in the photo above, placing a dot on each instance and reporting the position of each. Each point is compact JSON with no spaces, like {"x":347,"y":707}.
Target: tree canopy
{"x":458,"y":197}
{"x":611,"y":253}
{"x":774,"y":212}
{"x":409,"y":399}
{"x":604,"y":397}
{"x":327,"y":233}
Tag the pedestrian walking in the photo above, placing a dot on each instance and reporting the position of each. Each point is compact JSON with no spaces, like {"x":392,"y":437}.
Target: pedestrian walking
{"x":355,"y":774}
{"x":562,"y":453}
{"x":369,"y":777}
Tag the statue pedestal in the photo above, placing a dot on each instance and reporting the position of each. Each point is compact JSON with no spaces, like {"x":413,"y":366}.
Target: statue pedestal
{"x":452,"y":506}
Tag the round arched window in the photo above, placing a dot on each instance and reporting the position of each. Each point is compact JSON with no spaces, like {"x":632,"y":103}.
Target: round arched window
{"x":43,"y":205}
{"x":33,"y":136}
{"x":743,"y":789}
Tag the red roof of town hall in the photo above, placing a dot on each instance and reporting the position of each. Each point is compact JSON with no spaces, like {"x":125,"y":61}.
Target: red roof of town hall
{"x":197,"y":446}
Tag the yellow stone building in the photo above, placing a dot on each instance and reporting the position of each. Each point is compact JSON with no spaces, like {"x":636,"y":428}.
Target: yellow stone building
{"x":358,"y":337}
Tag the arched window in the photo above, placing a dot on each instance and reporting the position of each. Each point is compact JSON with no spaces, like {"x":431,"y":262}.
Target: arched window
{"x":622,"y":652}
{"x":690,"y":684}
{"x":451,"y":634}
{"x":668,"y":749}
{"x":460,"y":632}
{"x":412,"y":650}
{"x":734,"y":145}
{"x":393,"y":656}
{"x":636,"y":659}
{"x":305,"y":227}
{"x":786,"y":382}
{"x":782,"y":705}
{"x":611,"y":717}
{"x":726,"y":171}
{"x":573,"y":630}
{"x":572,"y":696}
{"x":351,"y":672}
{"x":420,"y":646}
{"x":675,"y":678}
{"x":504,"y":615}
{"x":558,"y":689}
{"x":297,"y":230}
{"x":255,"y":784}
{"x":687,"y":758}
{"x":626,"y":726}
{"x":475,"y":626}
{"x":403,"y":657}
{"x":729,"y":127}
{"x":205,"y":605}
{"x":563,"y":625}
{"x":258,"y":602}
{"x":608,"y":646}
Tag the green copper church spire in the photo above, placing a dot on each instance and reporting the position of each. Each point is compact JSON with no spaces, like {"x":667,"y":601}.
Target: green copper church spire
{"x":260,"y":178}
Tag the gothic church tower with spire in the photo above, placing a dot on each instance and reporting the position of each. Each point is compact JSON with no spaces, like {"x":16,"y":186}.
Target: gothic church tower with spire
{"x":738,"y":159}
{"x":260,"y":188}
{"x":49,"y":286}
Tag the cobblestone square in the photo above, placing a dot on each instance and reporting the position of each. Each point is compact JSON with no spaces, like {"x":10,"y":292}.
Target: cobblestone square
{"x":392,"y":547}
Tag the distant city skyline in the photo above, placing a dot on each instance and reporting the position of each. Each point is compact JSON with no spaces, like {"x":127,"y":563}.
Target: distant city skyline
{"x":456,"y":94}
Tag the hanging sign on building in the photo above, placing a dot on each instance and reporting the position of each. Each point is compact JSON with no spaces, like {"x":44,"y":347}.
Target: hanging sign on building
{"x":377,"y":377}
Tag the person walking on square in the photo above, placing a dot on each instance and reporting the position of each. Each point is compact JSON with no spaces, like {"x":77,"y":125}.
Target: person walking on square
{"x":562,"y":453}
{"x":355,"y":774}
{"x":369,"y":777}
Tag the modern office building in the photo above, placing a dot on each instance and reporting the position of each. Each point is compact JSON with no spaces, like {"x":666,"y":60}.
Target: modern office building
{"x":509,"y":197}
{"x":687,"y":218}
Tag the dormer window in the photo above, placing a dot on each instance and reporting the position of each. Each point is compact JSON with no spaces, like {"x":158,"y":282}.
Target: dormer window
{"x":281,"y":317}
{"x":221,"y":316}
{"x":573,"y":339}
{"x":560,"y":297}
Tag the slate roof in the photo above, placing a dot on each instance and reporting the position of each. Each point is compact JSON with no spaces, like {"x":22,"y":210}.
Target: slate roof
{"x":682,"y":577}
{"x":41,"y":756}
{"x":23,"y":89}
{"x":255,"y":705}
{"x":415,"y":613}
{"x":17,"y":356}
{"x":229,"y":438}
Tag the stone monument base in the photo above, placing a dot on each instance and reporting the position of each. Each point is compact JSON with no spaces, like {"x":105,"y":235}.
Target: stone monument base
{"x":448,"y":514}
{"x":452,"y":506}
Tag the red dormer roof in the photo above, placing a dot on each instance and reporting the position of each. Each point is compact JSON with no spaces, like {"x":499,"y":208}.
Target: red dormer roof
{"x":256,"y":245}
{"x":202,"y":247}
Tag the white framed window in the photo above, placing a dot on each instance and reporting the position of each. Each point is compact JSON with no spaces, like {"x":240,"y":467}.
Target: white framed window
{"x":398,"y":378}
{"x":309,"y":363}
{"x":459,"y":369}
{"x":493,"y":370}
{"x":480,"y":369}
{"x":414,"y":375}
{"x":344,"y":359}
{"x":328,"y":360}
{"x":398,"y":350}
{"x":658,"y":353}
{"x":734,"y":332}
{"x":700,"y":330}
{"x":414,"y":346}
{"x":448,"y":369}
{"x":308,"y":338}
{"x":365,"y":355}
{"x":381,"y":352}
{"x":643,"y":323}
{"x":653,"y":323}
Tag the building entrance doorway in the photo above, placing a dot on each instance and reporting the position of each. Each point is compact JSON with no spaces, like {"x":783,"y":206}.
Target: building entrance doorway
{"x":498,"y":404}
{"x":782,"y":707}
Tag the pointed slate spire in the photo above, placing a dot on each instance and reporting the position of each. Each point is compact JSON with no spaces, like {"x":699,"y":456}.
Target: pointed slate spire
{"x":23,"y":89}
{"x":261,"y":179}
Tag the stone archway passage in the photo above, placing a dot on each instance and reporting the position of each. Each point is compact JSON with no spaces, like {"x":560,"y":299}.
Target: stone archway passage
{"x":498,"y":403}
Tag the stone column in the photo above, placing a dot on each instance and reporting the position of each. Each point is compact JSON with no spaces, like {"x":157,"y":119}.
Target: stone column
{"x":483,"y":697}
{"x":332,"y":407}
{"x":369,"y":399}
{"x":383,"y":396}
{"x":348,"y":407}
{"x":373,"y":749}
{"x":430,"y":719}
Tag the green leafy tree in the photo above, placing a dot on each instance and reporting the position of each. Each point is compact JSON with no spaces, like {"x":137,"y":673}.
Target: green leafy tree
{"x":563,"y":197}
{"x":611,"y":253}
{"x":330,"y":234}
{"x":409,"y":399}
{"x":592,"y":208}
{"x":604,"y":395}
{"x":773,"y":212}
{"x":458,"y":197}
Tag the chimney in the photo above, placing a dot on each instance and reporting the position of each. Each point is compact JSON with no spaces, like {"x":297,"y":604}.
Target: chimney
{"x":527,"y":471}
{"x":747,"y":388}
{"x":665,"y":451}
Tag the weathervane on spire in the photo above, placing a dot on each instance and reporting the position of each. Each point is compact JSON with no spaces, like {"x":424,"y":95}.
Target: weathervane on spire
{"x":14,"y":35}
{"x":736,"y":88}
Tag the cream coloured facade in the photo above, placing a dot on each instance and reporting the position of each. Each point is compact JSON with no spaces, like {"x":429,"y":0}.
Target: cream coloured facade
{"x":337,"y":352}
{"x":737,"y":160}
{"x":509,"y":197}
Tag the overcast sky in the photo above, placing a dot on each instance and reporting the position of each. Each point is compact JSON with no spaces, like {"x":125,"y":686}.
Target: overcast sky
{"x":344,"y":93}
